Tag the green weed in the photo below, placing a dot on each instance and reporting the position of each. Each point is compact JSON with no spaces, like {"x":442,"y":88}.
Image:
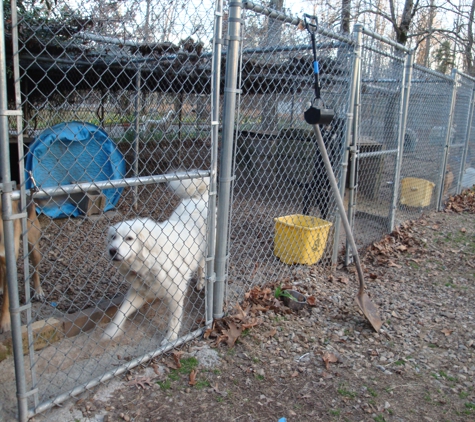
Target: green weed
{"x":372,"y":392}
{"x":346,"y":393}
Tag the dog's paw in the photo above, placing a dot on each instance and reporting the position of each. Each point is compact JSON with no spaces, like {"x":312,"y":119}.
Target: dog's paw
{"x":200,"y":284}
{"x":169,"y":338}
{"x":39,"y":295}
{"x":5,"y":325}
{"x":111,"y":332}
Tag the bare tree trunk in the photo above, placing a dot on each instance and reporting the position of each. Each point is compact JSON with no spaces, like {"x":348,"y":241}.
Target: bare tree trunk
{"x":269,"y":115}
{"x":345,"y":16}
{"x":432,"y":11}
{"x":470,"y":64}
{"x":401,"y":30}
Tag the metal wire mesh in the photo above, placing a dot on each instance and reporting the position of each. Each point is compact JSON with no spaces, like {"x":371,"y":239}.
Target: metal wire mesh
{"x":458,"y":142}
{"x":428,"y":118}
{"x":120,"y":99}
{"x":382,"y":77}
{"x":112,"y":92}
{"x":281,"y":184}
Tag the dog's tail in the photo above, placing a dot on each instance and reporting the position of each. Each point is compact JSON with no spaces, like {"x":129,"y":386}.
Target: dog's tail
{"x":190,"y":188}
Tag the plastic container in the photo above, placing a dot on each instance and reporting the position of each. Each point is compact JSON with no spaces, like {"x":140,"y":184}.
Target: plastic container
{"x":416,"y":192}
{"x":300,"y":239}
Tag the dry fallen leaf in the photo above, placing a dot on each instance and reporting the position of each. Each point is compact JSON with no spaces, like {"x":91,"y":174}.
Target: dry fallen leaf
{"x":176,"y":357}
{"x":328,"y":358}
{"x":271,"y":333}
{"x":141,"y":382}
{"x":343,"y":280}
{"x":312,"y":301}
{"x":232,"y":334}
{"x":193,"y":374}
{"x":447,"y":331}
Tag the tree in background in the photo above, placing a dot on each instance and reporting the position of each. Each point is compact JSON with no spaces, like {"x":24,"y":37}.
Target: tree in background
{"x":444,"y":57}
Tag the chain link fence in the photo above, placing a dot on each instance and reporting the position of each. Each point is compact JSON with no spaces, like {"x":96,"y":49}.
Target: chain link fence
{"x":280,"y":181}
{"x":106,"y":105}
{"x":114,"y":103}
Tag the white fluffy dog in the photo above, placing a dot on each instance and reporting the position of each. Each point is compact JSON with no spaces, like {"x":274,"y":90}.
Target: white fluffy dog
{"x":158,"y":259}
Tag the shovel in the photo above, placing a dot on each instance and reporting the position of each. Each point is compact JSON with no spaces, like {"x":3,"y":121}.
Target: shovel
{"x":368,"y":308}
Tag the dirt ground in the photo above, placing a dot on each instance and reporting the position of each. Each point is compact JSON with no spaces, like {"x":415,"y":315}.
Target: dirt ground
{"x":325,"y":362}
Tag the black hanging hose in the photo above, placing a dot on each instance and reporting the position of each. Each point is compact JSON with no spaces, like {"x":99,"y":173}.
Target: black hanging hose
{"x":312,"y":29}
{"x":315,"y":115}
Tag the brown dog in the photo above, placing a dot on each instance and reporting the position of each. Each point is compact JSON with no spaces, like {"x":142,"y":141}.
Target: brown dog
{"x":448,"y":180}
{"x":34,"y":232}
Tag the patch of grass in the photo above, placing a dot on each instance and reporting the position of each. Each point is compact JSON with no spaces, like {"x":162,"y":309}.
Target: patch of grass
{"x":334,"y":412}
{"x":200,"y":384}
{"x":443,"y":374}
{"x":432,"y":345}
{"x":452,"y":285}
{"x":372,"y":392}
{"x":188,"y":364}
{"x":259,"y":377}
{"x":399,"y":362}
{"x":470,"y":406}
{"x":165,"y":385}
{"x":219,"y":399}
{"x":255,"y":359}
{"x":414,"y":265}
{"x":379,"y":418}
{"x":464,"y":394}
{"x":346,"y":393}
{"x":174,"y":375}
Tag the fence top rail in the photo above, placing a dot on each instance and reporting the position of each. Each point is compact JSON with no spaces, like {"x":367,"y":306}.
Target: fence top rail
{"x":275,"y":14}
{"x":433,"y":73}
{"x":382,"y":38}
{"x":467,"y":77}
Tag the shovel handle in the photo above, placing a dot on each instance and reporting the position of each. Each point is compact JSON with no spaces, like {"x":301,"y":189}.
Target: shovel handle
{"x":341,"y":207}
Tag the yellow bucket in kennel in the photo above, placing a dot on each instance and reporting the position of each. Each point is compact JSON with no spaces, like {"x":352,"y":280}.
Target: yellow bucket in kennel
{"x":300,"y":239}
{"x":416,"y":192}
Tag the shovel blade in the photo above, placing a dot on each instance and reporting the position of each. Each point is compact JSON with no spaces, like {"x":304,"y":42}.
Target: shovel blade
{"x":369,"y":310}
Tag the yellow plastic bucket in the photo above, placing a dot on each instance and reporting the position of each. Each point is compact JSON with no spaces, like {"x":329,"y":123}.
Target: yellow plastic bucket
{"x":416,"y":192}
{"x":300,"y":239}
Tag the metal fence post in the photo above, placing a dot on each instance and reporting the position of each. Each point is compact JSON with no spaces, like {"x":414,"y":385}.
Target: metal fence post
{"x":467,"y":140}
{"x":354,"y":85}
{"x":8,"y":232}
{"x":23,"y":199}
{"x":226,"y":168}
{"x":352,"y":143}
{"x":448,"y":137}
{"x":404,"y":106}
{"x":138,"y":83}
{"x":215,"y":90}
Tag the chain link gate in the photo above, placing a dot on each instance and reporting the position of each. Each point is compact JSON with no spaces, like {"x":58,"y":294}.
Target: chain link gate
{"x":280,"y":180}
{"x":112,"y":103}
{"x":457,"y":146}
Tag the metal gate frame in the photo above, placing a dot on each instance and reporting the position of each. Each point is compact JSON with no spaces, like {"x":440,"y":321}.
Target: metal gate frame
{"x":24,"y":391}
